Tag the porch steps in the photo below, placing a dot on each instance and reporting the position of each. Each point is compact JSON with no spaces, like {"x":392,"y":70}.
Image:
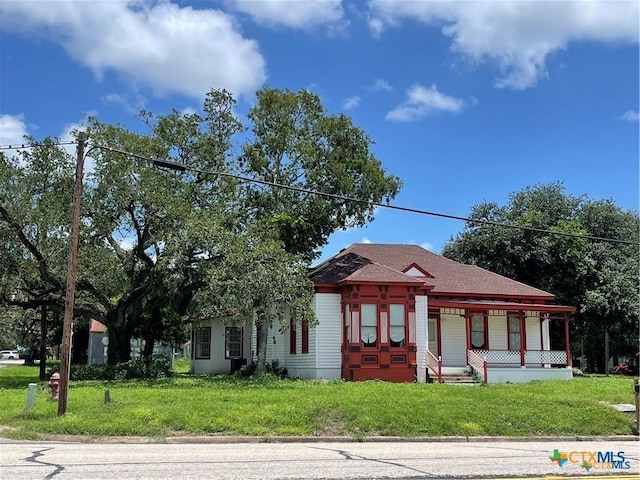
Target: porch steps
{"x":458,"y":377}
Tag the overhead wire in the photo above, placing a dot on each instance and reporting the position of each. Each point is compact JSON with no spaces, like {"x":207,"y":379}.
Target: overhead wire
{"x":472,"y":221}
{"x":181,"y":167}
{"x":23,"y":146}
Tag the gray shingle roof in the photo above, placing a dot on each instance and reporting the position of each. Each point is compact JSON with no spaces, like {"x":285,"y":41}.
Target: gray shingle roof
{"x":362,"y":262}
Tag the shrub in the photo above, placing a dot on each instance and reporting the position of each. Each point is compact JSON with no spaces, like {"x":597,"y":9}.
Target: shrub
{"x":247,"y":371}
{"x":273,"y":368}
{"x":149,"y":368}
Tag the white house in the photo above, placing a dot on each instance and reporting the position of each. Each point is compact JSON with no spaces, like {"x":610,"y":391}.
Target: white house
{"x":401,"y":313}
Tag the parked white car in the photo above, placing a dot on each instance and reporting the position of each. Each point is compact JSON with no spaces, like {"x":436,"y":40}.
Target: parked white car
{"x":9,"y":354}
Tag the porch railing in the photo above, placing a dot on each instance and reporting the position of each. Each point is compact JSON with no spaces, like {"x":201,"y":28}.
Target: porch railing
{"x":478,"y":364}
{"x":530,"y":357}
{"x":435,"y":365}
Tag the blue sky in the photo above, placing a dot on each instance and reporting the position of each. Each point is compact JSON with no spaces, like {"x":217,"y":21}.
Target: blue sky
{"x":466,"y":101}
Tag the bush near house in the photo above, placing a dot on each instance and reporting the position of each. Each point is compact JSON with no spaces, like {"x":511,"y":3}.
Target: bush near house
{"x":146,"y":368}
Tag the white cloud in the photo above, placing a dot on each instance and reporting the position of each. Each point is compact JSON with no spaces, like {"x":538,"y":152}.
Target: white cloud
{"x":630,"y":116}
{"x":381,"y":85}
{"x":131,"y":105}
{"x":188,"y":111}
{"x":69,"y":134}
{"x":516,"y":35}
{"x":365,"y":240}
{"x":305,"y":14}
{"x":157,"y":44}
{"x":422,"y":101}
{"x":351,"y":102}
{"x":12,"y":129}
{"x":428,"y":246}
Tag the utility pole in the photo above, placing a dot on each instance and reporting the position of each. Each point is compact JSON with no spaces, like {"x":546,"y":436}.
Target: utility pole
{"x":65,"y":361}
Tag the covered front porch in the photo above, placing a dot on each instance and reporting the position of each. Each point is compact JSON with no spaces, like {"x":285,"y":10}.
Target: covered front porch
{"x":499,"y":341}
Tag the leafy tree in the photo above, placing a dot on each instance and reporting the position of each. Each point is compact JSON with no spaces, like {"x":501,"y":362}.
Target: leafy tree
{"x":599,"y":277}
{"x":297,"y":143}
{"x":159,"y":245}
{"x":259,"y":283}
{"x":35,"y":194}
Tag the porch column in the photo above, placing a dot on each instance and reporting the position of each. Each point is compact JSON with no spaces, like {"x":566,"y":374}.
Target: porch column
{"x":545,"y":339}
{"x":439,"y":335}
{"x":523,"y":336}
{"x":566,"y":339}
{"x":467,"y":327}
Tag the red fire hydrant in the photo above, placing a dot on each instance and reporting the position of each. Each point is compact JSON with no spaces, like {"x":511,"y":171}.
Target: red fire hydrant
{"x":54,"y":385}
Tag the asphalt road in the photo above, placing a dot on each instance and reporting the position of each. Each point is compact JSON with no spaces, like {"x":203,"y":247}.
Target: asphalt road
{"x":318,"y":460}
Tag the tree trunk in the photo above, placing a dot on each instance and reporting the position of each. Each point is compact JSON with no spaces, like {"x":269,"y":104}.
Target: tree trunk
{"x":149,"y":335}
{"x":119,"y":348}
{"x":262,"y":333}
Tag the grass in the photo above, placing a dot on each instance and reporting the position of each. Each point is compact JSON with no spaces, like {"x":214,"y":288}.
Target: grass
{"x":267,"y":407}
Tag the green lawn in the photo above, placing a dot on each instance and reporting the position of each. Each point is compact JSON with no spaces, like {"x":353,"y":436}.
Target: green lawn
{"x":271,"y":407}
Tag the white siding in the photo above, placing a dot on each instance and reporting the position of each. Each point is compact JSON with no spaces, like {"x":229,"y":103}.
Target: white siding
{"x":533,"y":333}
{"x":218,"y":364}
{"x":324,"y":359}
{"x":421,"y":336}
{"x":498,"y":336}
{"x":276,"y":345}
{"x":328,"y":335}
{"x":300,"y":364}
{"x":454,"y":341}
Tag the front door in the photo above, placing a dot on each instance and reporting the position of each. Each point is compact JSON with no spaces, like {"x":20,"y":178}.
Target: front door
{"x":432,"y":333}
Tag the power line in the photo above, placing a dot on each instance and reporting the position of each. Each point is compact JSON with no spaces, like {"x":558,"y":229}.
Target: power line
{"x":182,"y":168}
{"x":22,"y":146}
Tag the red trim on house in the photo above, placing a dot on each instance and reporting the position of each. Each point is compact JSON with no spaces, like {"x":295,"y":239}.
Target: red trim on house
{"x":419,"y":268}
{"x":485,"y":328}
{"x":511,"y":314}
{"x":523,"y":336}
{"x":326,"y":288}
{"x":394,"y":364}
{"x":419,"y":286}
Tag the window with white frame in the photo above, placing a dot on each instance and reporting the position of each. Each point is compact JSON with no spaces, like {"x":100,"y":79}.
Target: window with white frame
{"x":203,"y":343}
{"x":369,"y":325}
{"x":397,"y":325}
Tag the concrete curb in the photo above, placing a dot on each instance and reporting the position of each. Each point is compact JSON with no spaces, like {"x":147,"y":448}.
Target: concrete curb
{"x":224,"y":439}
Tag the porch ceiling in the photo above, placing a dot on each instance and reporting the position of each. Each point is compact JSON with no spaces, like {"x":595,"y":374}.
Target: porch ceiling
{"x":501,"y":305}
